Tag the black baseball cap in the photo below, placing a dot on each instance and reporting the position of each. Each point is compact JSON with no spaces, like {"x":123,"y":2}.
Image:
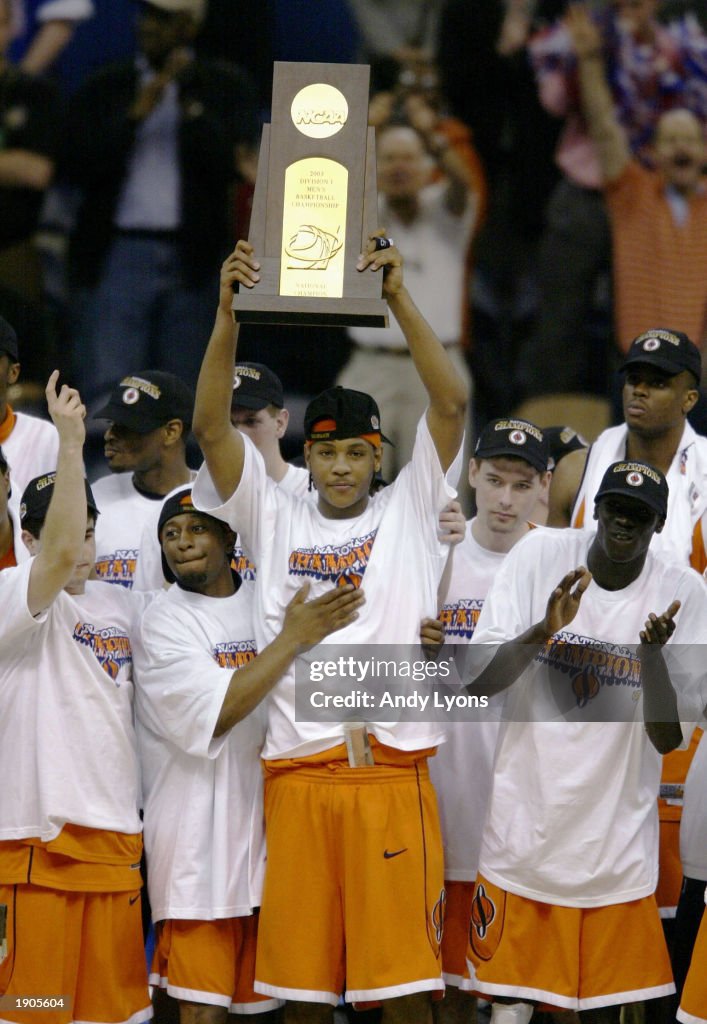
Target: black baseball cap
{"x":339,"y":413}
{"x":636,"y":480}
{"x":36,"y":496}
{"x":255,"y":386}
{"x":513,"y":437}
{"x":669,"y":351}
{"x":146,"y":400}
{"x":8,"y":340}
{"x":561,"y":441}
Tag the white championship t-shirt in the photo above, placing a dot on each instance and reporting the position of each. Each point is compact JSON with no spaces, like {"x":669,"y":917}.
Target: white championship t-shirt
{"x":573,"y":814}
{"x":31,"y":450}
{"x":125,"y":517}
{"x":392,"y":550}
{"x":67,"y":742}
{"x":462,"y":770}
{"x":203,"y":819}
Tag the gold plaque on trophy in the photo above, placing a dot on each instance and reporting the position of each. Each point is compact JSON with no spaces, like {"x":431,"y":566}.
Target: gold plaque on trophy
{"x":315,"y":202}
{"x":314,"y":229}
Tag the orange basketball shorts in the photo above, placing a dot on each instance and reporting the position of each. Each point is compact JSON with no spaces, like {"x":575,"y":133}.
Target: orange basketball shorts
{"x":354,"y":897}
{"x":210,"y":962}
{"x":85,"y":949}
{"x":571,"y":958}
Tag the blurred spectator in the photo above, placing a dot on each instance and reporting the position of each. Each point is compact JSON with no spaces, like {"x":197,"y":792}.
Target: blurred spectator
{"x":487,"y":81}
{"x":431,"y":222}
{"x":416,"y":99}
{"x":108,"y":35}
{"x":651,"y":68}
{"x":405,"y":30}
{"x":658,"y":217}
{"x":151,"y":145}
{"x":42,"y":29}
{"x":28,"y":136}
{"x":29,"y":124}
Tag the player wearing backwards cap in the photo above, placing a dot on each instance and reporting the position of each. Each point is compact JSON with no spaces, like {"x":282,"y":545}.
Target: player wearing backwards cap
{"x":257,"y":409}
{"x":508,"y":474}
{"x":30,"y":443}
{"x":563,"y":909}
{"x":70,"y":833}
{"x":202,"y":726}
{"x":150,"y":416}
{"x":353,"y":887}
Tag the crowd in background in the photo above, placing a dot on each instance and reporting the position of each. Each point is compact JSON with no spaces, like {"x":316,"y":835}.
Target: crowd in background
{"x":139,"y":158}
{"x":540,"y":168}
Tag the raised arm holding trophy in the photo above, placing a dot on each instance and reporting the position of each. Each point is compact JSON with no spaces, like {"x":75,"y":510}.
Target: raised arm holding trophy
{"x":315,"y":202}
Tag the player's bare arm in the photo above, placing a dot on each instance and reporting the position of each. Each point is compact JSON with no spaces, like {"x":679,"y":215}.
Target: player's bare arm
{"x":219,"y":440}
{"x":447,"y":393}
{"x":513,"y":657}
{"x":596,"y":99}
{"x":306,"y":624}
{"x":660,"y":710}
{"x":564,"y":486}
{"x":65,"y":525}
{"x":452,"y":530}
